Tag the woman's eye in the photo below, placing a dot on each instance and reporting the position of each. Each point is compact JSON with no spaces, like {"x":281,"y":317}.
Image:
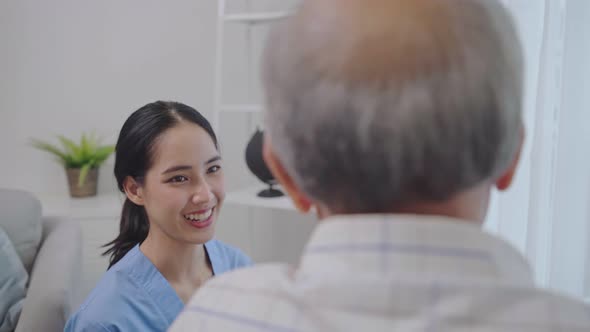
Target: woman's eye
{"x":214,"y":169}
{"x":178,"y":179}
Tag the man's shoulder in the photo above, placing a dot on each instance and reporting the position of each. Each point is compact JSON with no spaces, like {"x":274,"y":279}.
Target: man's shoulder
{"x":260,"y":276}
{"x":509,"y":307}
{"x":245,"y":285}
{"x":240,"y":299}
{"x":565,"y":310}
{"x":271,"y":295}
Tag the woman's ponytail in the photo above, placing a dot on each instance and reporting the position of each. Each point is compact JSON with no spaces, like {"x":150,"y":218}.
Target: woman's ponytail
{"x":133,"y":230}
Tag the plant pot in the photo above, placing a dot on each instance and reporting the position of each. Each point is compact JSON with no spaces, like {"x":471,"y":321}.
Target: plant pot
{"x":88,"y":188}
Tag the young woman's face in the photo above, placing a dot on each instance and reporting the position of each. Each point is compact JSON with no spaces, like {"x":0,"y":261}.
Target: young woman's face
{"x":184,"y":189}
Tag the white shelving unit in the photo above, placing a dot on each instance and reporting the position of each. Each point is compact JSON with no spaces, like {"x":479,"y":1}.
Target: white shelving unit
{"x":255,"y":18}
{"x":246,"y":196}
{"x":248,"y":19}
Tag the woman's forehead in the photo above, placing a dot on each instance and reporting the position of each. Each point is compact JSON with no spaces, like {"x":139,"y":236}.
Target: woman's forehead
{"x":186,"y":142}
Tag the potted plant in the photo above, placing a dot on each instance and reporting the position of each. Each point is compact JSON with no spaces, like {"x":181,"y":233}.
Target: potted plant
{"x":81,"y":161}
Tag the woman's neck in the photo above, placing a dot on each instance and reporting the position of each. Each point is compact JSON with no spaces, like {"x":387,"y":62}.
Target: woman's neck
{"x":179,"y":263}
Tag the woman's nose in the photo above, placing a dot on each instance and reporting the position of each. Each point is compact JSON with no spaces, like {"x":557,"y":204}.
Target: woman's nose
{"x":202,"y":193}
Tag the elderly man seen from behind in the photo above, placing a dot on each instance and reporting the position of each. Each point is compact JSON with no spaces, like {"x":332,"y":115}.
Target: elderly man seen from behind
{"x":393,"y":120}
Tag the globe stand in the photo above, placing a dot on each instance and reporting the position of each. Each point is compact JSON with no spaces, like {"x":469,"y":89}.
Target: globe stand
{"x":270,"y":192}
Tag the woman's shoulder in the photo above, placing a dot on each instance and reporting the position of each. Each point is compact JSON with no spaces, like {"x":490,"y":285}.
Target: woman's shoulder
{"x":115,"y":297}
{"x":225,"y":257}
{"x":108,"y":303}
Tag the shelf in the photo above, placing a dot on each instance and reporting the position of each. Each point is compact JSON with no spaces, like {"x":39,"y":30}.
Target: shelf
{"x":109,"y":205}
{"x":64,"y":206}
{"x":255,"y":18}
{"x":248,"y":197}
{"x":238,"y":108}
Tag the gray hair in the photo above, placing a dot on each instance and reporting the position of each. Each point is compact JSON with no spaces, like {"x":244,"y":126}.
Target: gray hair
{"x":410,"y":108}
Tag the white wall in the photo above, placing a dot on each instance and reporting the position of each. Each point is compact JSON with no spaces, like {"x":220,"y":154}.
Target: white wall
{"x":546,"y":213}
{"x":69,"y":66}
{"x":570,"y":246}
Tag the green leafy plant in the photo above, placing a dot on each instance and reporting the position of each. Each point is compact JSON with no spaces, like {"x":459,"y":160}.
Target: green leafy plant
{"x":86,"y":155}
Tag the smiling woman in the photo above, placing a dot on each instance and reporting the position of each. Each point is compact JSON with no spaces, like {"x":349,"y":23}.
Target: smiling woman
{"x":169,"y":167}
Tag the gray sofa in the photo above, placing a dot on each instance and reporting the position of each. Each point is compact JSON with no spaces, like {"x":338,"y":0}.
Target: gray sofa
{"x":51,"y":252}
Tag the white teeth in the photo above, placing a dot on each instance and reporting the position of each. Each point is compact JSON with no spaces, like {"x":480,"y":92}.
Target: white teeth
{"x":200,"y":216}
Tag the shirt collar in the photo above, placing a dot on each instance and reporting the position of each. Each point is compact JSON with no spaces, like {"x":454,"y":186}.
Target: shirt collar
{"x":431,"y":247}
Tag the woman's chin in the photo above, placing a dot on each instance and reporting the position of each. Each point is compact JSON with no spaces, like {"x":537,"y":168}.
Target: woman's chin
{"x":201,"y":236}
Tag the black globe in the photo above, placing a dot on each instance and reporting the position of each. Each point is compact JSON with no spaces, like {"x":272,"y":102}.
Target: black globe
{"x":258,"y":167}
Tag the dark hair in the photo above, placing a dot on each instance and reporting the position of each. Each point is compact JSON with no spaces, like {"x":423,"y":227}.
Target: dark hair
{"x":133,"y":157}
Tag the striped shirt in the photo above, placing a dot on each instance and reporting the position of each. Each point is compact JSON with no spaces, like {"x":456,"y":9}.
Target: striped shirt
{"x":387,"y":273}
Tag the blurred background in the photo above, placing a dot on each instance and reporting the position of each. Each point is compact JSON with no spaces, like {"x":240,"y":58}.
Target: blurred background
{"x":68,"y":67}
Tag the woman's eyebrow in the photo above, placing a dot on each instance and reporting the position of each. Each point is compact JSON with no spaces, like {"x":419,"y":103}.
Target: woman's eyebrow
{"x":177,"y":168}
{"x":214,"y":159}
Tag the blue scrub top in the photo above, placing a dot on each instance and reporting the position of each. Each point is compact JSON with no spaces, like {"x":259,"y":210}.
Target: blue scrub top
{"x":134,"y":296}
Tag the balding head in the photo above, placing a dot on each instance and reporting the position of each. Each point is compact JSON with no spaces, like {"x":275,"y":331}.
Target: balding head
{"x":374,"y":104}
{"x":373,"y":40}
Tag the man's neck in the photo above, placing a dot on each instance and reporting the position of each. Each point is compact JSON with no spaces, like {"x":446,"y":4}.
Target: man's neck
{"x":470,"y":205}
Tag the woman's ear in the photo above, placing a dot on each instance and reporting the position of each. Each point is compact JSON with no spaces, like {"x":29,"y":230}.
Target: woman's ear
{"x":300,"y":200}
{"x":133,"y":190}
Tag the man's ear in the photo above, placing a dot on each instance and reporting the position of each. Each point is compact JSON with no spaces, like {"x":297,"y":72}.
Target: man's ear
{"x":302,"y":203}
{"x":133,"y":190}
{"x":505,"y":180}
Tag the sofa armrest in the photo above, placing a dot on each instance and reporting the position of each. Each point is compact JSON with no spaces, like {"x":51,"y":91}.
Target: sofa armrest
{"x":55,"y":278}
